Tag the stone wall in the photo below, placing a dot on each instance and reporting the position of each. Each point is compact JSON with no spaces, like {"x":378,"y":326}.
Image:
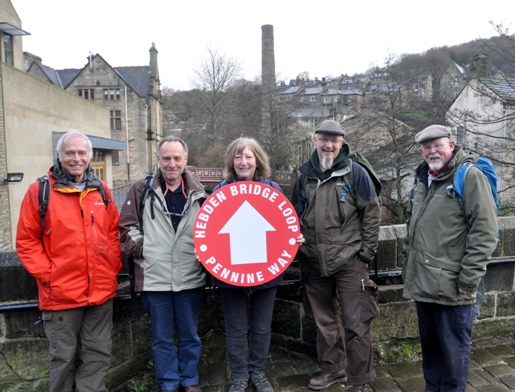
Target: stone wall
{"x":24,"y":348}
{"x":5,"y":229}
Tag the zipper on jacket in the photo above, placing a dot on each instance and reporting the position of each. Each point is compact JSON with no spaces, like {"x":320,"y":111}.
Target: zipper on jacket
{"x":93,"y":226}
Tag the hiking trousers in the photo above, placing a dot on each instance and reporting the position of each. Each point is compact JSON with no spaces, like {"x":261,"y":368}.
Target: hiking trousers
{"x":88,"y":328}
{"x":343,"y":306}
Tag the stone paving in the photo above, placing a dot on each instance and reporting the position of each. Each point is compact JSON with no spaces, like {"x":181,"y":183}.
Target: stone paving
{"x":492,"y":369}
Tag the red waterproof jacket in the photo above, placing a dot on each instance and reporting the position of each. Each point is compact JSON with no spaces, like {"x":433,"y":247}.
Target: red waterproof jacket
{"x":76,"y":256}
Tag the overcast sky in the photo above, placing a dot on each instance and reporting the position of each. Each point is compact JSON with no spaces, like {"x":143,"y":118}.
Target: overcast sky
{"x":324,"y":38}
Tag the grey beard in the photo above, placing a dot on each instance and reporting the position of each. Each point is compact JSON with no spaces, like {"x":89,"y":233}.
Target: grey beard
{"x":435,"y":167}
{"x":326,"y":163}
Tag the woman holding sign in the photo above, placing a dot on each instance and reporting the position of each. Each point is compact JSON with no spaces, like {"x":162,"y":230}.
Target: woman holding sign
{"x":245,"y":160}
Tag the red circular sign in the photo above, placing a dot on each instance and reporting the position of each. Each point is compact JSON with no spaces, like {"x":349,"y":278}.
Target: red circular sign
{"x":246,"y":233}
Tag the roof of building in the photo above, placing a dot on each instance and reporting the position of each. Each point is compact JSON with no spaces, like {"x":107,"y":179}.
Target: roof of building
{"x":138,"y":78}
{"x":313,"y":90}
{"x":67,"y":75}
{"x":504,"y":88}
{"x":290,"y":90}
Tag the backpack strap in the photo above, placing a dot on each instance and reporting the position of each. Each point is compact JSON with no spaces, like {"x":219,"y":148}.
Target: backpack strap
{"x":348,"y":179}
{"x":44,"y":194}
{"x":147,"y":188}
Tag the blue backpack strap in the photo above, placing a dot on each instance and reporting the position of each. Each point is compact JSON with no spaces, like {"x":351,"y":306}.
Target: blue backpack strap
{"x":459,"y":179}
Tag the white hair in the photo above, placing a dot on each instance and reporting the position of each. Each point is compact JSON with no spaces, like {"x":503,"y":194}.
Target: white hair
{"x":71,"y":134}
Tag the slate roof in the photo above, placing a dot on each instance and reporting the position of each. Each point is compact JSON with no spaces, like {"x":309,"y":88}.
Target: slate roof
{"x":504,"y":88}
{"x":313,"y":90}
{"x":290,"y":90}
{"x":138,"y":78}
{"x":67,"y":75}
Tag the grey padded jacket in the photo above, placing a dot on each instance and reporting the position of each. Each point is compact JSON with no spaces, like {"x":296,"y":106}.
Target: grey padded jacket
{"x":448,"y":245}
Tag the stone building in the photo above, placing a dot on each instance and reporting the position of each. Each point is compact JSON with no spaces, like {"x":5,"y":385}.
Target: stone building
{"x":133,"y":98}
{"x":33,"y":115}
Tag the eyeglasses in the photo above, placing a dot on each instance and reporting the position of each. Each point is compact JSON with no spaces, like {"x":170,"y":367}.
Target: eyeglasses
{"x":325,"y":140}
{"x":435,"y":146}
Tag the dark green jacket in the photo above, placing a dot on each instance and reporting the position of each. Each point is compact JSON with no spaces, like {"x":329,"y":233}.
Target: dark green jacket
{"x":331,"y":244}
{"x":448,"y":245}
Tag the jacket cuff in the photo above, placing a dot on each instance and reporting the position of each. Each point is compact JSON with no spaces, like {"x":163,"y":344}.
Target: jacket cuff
{"x":363,"y":258}
{"x":467,"y":287}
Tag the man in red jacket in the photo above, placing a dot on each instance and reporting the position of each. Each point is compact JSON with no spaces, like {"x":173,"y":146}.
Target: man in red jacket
{"x":74,"y":254}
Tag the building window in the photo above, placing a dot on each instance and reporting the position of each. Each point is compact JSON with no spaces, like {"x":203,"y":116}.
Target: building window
{"x":290,"y":97}
{"x":327,"y":99}
{"x":115,"y":158}
{"x":88,"y":94}
{"x":112,"y":94}
{"x":312,"y":98}
{"x":116,"y":120}
{"x":349,"y":99}
{"x":301,"y":99}
{"x":336,"y":99}
{"x":8,"y":49}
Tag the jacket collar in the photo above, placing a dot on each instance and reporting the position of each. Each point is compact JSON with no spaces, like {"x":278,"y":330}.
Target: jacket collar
{"x":64,"y":180}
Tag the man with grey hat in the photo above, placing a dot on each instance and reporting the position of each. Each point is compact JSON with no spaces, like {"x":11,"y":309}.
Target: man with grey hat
{"x":340,"y":222}
{"x":449,"y":242}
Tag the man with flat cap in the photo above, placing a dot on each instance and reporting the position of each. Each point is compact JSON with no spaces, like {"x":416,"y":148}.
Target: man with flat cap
{"x":341,"y":232}
{"x":448,"y":245}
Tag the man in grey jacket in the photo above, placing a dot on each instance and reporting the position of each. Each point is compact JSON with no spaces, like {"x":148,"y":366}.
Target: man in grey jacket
{"x":341,"y":235}
{"x":167,"y":273}
{"x":446,"y":250}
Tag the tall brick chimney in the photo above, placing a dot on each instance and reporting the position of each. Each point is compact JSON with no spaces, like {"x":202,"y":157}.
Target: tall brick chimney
{"x":267,"y":58}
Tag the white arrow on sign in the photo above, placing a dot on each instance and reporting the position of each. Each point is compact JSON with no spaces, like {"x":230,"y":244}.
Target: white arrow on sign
{"x":247,"y":229}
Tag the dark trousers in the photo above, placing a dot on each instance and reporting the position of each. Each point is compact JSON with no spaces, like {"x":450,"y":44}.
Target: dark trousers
{"x":244,"y":313}
{"x":343,"y":306}
{"x":176,"y":363}
{"x":445,"y":336}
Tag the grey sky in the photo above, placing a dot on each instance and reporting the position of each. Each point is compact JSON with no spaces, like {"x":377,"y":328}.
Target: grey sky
{"x":323,"y":38}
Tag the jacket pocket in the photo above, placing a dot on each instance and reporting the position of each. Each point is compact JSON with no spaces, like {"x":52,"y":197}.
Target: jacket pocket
{"x":437,"y":274}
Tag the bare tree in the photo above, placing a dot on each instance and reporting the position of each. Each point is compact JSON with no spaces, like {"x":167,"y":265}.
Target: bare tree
{"x":214,"y":77}
{"x":277,"y":131}
{"x":384,"y":132}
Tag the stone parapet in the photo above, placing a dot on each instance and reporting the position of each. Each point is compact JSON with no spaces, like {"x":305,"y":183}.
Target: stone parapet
{"x":24,"y":348}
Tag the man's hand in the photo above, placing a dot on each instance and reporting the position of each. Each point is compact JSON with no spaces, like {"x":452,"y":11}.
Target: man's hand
{"x":464,"y":292}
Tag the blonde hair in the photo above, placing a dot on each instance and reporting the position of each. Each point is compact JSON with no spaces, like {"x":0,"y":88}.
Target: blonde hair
{"x":236,"y":147}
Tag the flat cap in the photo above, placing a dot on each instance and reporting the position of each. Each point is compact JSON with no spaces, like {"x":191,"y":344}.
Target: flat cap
{"x":432,"y":132}
{"x":330,"y":126}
